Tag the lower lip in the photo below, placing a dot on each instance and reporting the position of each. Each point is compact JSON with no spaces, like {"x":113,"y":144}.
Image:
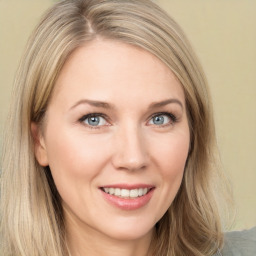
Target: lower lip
{"x":127,"y":203}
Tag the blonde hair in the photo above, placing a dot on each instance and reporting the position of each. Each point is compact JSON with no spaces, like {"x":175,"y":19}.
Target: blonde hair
{"x":31,"y":213}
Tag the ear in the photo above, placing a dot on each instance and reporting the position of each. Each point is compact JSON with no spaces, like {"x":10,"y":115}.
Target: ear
{"x":39,"y":145}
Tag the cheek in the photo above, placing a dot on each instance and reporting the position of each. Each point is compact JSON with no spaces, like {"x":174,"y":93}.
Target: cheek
{"x":75,"y":161}
{"x":171,"y":158}
{"x":172,"y":170}
{"x":172,"y":154}
{"x":75,"y":158}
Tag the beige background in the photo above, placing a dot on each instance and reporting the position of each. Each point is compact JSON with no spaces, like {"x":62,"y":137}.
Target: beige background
{"x":223,"y":33}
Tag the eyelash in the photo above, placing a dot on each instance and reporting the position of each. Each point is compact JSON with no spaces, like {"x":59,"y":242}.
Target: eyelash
{"x":173,"y":118}
{"x":83,"y":118}
{"x":170,"y":115}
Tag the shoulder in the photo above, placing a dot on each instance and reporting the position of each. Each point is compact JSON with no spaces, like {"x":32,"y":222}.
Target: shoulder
{"x":240,"y":243}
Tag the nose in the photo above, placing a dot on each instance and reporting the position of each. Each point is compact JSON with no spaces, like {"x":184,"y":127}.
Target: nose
{"x":130,"y":149}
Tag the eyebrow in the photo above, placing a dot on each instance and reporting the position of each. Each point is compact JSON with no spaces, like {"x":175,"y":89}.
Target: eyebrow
{"x":101,"y":104}
{"x":94,"y":103}
{"x":164,"y":103}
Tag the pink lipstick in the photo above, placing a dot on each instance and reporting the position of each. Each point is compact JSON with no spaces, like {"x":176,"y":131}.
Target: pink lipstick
{"x":128,"y":197}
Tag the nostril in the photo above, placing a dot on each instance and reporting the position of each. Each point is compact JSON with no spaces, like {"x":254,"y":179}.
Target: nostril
{"x":131,"y":166}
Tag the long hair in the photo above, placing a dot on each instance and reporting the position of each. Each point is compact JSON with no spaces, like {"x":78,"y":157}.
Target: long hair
{"x":31,"y":212}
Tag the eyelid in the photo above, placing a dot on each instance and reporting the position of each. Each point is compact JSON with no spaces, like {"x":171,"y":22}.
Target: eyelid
{"x":84,"y":117}
{"x":170,"y":115}
{"x":92,"y":115}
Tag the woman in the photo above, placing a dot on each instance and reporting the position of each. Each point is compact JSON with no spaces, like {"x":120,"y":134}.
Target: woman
{"x":111,"y":146}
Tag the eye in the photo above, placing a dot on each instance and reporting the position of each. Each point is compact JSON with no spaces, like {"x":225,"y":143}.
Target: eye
{"x":162,"y":119}
{"x":94,"y":120}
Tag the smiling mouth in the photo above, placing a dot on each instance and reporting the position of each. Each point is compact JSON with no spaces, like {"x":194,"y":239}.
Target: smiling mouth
{"x":126,"y":193}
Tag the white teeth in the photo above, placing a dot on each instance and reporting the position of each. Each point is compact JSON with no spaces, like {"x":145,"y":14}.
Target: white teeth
{"x":117,"y":192}
{"x":126,"y":193}
{"x":111,"y":191}
{"x":134,"y":193}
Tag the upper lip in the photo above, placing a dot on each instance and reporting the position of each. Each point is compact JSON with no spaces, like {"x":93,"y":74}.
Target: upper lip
{"x":128,"y":186}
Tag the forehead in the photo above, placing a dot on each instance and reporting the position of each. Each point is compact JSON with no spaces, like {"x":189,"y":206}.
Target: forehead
{"x":104,"y":69}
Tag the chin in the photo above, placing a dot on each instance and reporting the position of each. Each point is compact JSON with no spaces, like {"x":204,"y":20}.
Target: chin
{"x":130,"y":231}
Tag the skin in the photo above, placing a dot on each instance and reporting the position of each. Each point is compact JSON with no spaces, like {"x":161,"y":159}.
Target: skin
{"x":127,"y":146}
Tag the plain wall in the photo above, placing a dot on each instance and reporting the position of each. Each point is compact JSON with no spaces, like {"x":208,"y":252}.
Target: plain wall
{"x":223,"y":33}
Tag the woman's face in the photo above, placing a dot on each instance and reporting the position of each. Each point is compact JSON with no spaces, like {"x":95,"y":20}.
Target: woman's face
{"x":116,"y":138}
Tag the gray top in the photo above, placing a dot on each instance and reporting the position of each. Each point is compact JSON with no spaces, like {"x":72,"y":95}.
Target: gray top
{"x":239,"y":243}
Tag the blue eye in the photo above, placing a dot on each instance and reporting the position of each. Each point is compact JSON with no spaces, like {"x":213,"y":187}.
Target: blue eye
{"x":158,"y":120}
{"x":94,"y":120}
{"x":162,"y":119}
